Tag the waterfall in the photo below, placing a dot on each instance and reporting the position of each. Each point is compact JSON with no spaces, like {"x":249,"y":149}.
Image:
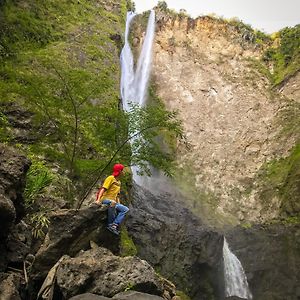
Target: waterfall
{"x":134,"y":83}
{"x":235,"y":278}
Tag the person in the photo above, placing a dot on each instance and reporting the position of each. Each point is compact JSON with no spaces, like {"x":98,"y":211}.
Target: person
{"x":109,"y":194}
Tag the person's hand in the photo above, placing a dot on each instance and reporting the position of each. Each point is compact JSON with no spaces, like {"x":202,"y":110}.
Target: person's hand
{"x":113,"y":203}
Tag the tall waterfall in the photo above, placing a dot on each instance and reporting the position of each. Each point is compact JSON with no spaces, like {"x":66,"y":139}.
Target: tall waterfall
{"x":134,"y":83}
{"x":235,"y":278}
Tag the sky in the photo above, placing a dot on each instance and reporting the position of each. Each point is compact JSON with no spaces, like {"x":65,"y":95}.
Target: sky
{"x":266,"y":15}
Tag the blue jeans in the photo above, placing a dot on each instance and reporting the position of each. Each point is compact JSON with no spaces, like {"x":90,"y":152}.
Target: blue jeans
{"x":115,"y":214}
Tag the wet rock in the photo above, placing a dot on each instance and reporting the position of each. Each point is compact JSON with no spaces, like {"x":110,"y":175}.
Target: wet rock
{"x":100,"y":272}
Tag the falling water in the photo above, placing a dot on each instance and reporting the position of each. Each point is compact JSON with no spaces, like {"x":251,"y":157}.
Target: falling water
{"x":134,"y":83}
{"x":235,"y":278}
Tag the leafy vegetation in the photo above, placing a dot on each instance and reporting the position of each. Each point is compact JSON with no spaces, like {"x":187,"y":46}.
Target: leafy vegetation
{"x":40,"y":223}
{"x":60,"y":61}
{"x":127,"y":245}
{"x":281,"y":178}
{"x":38,"y":178}
{"x":284,"y":56}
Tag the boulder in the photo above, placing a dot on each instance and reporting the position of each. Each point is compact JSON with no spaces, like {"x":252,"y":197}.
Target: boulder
{"x":133,"y":295}
{"x":69,"y":232}
{"x":100,"y":272}
{"x":89,"y":296}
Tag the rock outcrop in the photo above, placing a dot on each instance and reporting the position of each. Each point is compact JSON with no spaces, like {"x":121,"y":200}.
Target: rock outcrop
{"x":69,"y":232}
{"x":129,"y":295}
{"x":100,"y":272}
{"x":13,"y":168}
{"x":176,"y":243}
{"x":206,"y":70}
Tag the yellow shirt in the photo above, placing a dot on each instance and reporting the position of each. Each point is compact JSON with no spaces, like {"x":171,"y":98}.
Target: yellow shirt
{"x":112,"y":186}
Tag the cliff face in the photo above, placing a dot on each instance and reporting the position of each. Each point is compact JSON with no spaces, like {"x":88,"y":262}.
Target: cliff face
{"x":209,"y":72}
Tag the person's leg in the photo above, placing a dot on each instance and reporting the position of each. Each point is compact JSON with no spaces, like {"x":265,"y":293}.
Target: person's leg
{"x":111,"y":212}
{"x":121,"y":212}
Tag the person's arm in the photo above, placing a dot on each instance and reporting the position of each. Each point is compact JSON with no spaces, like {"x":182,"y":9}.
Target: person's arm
{"x":118,"y":199}
{"x":102,"y":190}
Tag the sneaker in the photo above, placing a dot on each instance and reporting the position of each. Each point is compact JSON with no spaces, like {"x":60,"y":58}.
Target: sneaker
{"x":113,"y":228}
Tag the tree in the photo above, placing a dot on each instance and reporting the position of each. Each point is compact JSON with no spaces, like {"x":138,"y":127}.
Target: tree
{"x":162,"y":5}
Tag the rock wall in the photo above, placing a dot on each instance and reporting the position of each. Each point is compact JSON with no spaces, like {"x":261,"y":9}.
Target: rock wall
{"x":205,"y":69}
{"x":176,"y":243}
{"x":270,"y":255}
{"x":13,"y":167}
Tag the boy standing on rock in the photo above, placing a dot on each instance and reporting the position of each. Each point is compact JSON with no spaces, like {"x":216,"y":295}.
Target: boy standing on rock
{"x":109,"y":195}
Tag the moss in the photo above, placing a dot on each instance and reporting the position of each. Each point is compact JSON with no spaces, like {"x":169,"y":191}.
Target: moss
{"x":59,"y":59}
{"x":182,"y":295}
{"x":246,"y":225}
{"x":127,"y":245}
{"x":284,"y":55}
{"x":280,"y":178}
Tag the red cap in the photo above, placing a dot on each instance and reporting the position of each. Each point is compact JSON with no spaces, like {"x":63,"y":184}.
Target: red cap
{"x":117,"y":169}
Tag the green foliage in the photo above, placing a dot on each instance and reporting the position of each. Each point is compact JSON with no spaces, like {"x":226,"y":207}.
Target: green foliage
{"x":162,"y":5}
{"x":246,"y":225}
{"x":4,"y":124}
{"x":281,"y":178}
{"x":291,"y":220}
{"x":39,"y":223}
{"x":248,"y":33}
{"x":127,"y":245}
{"x":59,"y":60}
{"x":129,"y":287}
{"x":285,"y":55}
{"x":130,"y":5}
{"x":182,"y":295}
{"x":38,"y":178}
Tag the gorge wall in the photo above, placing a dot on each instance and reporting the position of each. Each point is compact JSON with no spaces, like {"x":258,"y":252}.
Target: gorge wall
{"x":210,"y":73}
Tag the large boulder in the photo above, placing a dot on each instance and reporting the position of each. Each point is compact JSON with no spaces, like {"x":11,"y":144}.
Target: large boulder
{"x":176,"y":243}
{"x":128,"y":295}
{"x":89,"y":296}
{"x":133,"y":295}
{"x":99,"y":271}
{"x":69,"y":232}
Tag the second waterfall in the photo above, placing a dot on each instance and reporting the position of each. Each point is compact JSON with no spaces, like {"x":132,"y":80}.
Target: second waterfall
{"x":134,"y":82}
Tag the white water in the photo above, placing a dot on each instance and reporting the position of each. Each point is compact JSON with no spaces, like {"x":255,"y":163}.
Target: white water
{"x":236,"y":283}
{"x":134,"y":83}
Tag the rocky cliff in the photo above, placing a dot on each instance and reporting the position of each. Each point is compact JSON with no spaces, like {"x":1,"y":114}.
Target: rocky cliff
{"x":59,"y":101}
{"x":211,"y":73}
